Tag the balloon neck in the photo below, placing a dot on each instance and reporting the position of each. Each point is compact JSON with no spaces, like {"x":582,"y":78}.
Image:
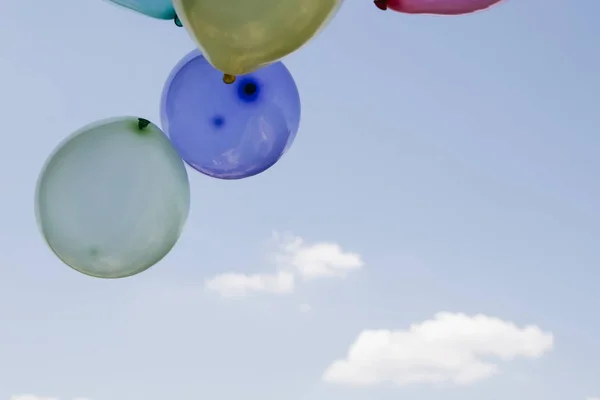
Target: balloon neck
{"x":178,"y":21}
{"x":381,"y":4}
{"x":143,"y":123}
{"x":228,"y":79}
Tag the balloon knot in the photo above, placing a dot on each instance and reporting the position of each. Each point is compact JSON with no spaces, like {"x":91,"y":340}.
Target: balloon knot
{"x":178,"y":21}
{"x":143,"y":123}
{"x":381,"y":4}
{"x":228,"y":79}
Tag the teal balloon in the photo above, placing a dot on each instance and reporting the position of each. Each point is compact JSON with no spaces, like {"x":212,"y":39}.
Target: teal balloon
{"x":161,"y":9}
{"x":113,"y":198}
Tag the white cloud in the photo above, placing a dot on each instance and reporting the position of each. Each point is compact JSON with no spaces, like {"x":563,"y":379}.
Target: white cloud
{"x":291,"y":257}
{"x":304,"y":308}
{"x":593,"y":398}
{"x":240,"y":285}
{"x":448,"y":348}
{"x":310,"y":261}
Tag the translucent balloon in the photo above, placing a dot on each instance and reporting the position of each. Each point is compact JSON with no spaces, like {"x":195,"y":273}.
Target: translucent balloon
{"x":230,"y":131}
{"x":112,"y":199}
{"x":440,"y":7}
{"x":161,"y":9}
{"x":240,"y":36}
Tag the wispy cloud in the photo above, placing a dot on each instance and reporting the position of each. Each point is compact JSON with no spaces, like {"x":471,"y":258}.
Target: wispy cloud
{"x":240,"y":285}
{"x":291,"y":257}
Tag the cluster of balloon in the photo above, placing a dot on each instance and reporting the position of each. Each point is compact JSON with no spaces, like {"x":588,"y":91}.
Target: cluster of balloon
{"x":439,"y":7}
{"x":113,"y":198}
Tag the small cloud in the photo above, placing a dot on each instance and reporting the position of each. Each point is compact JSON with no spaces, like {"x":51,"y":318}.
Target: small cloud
{"x":291,"y":257}
{"x":448,"y":348}
{"x":240,"y":285}
{"x":304,"y":308}
{"x":317,"y":260}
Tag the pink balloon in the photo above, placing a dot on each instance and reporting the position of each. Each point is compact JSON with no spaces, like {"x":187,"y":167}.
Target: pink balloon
{"x":440,"y":7}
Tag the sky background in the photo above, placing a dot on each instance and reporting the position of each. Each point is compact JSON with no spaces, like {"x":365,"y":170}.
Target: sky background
{"x":453,"y":160}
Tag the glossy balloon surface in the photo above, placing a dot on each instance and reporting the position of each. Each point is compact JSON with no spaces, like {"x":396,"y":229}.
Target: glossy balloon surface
{"x":230,"y":131}
{"x":441,"y":7}
{"x":112,"y":199}
{"x":161,"y":9}
{"x":240,"y":36}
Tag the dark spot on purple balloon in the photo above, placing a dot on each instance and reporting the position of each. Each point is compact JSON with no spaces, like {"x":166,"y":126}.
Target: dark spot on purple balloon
{"x":248,"y":90}
{"x":218,"y":121}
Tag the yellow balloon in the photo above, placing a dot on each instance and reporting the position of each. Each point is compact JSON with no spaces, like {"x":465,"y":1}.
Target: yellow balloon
{"x":240,"y":36}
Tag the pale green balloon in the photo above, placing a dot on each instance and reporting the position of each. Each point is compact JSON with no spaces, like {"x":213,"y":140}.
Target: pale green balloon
{"x":240,"y":36}
{"x":113,"y":198}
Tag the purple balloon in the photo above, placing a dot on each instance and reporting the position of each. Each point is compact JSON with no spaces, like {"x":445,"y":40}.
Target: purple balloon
{"x":230,"y":131}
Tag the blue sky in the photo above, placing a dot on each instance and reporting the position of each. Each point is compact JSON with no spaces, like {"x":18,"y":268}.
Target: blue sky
{"x":450,"y":163}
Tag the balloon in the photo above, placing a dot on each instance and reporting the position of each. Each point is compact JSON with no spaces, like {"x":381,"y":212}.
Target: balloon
{"x":229,"y":131}
{"x":112,"y":199}
{"x":441,"y":7}
{"x":240,"y":36}
{"x":161,"y":9}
